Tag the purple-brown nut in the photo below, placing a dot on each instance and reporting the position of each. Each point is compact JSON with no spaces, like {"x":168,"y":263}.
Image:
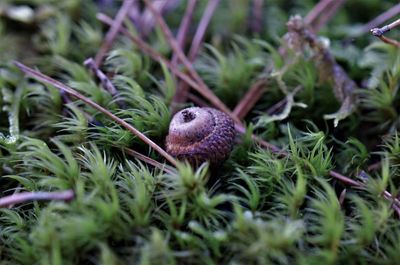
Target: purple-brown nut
{"x":200,"y":134}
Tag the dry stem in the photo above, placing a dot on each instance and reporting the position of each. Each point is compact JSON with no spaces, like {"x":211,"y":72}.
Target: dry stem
{"x":201,"y":29}
{"x":322,"y":13}
{"x":378,"y":32}
{"x":183,"y":89}
{"x":257,"y":16}
{"x":184,"y":27}
{"x":148,"y":160}
{"x":250,"y":99}
{"x":395,"y":10}
{"x":113,"y":31}
{"x":22,"y":197}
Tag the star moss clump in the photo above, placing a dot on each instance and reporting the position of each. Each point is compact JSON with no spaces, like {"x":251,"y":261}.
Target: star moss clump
{"x":261,"y":206}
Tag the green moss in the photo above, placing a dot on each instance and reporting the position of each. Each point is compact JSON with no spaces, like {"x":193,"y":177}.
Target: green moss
{"x":259,"y":207}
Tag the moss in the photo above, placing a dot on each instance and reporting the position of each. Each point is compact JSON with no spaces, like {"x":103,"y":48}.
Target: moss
{"x":259,"y":207}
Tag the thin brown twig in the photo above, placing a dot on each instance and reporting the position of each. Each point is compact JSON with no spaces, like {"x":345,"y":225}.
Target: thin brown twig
{"x":388,"y":14}
{"x":257,"y":15}
{"x":181,"y":38}
{"x":327,"y":15}
{"x":250,"y":99}
{"x":384,"y":29}
{"x":317,"y":11}
{"x":113,"y":31}
{"x":135,"y":14}
{"x":148,"y":160}
{"x":46,"y":79}
{"x":253,"y":95}
{"x":387,"y":195}
{"x":105,"y":82}
{"x":183,"y":89}
{"x":378,"y":32}
{"x":322,"y":13}
{"x":396,"y":208}
{"x":147,"y":19}
{"x":395,"y":202}
{"x":345,"y":179}
{"x":22,"y":197}
{"x":184,"y":27}
{"x":389,"y":41}
{"x":201,"y":29}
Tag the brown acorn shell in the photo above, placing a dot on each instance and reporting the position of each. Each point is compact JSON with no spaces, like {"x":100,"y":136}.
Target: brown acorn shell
{"x":200,"y":134}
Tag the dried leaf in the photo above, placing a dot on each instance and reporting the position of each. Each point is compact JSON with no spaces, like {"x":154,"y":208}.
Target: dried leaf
{"x":300,"y":39}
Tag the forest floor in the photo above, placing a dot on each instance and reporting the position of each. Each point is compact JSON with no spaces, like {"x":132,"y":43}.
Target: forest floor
{"x":87,"y":93}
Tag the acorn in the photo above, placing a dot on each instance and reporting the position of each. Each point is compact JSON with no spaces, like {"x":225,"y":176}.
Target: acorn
{"x":198,"y":135}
